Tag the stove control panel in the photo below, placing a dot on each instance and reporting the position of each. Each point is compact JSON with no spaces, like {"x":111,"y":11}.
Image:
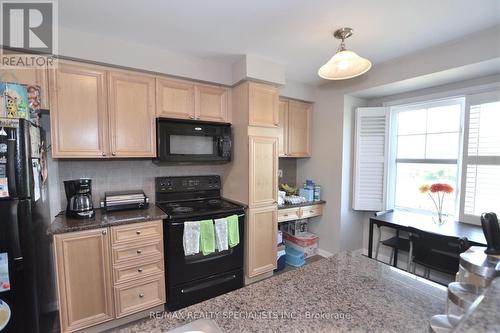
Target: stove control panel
{"x":187,"y":183}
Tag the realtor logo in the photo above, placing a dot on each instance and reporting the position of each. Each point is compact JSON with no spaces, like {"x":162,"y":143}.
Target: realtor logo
{"x":29,"y":26}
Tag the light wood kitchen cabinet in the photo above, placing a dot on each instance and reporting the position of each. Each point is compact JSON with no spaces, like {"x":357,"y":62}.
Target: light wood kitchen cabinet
{"x":109,"y":273}
{"x":261,"y":245}
{"x":175,"y":99}
{"x":295,"y":128}
{"x":263,"y":104}
{"x":131,"y":114}
{"x":295,"y":213}
{"x":211,"y":103}
{"x":263,"y":170}
{"x":282,"y":129}
{"x":31,"y":76}
{"x":79,"y":113}
{"x":84,"y":279}
{"x":253,"y":178}
{"x":186,"y":100}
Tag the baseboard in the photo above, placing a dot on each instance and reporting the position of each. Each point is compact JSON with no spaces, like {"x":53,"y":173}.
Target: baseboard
{"x":324,"y":253}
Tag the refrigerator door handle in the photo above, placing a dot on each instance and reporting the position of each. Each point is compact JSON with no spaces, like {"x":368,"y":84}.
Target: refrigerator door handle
{"x":13,"y":229}
{"x":11,"y":168}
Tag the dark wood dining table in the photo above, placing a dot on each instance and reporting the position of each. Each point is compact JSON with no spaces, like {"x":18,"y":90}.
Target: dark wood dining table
{"x":402,"y":220}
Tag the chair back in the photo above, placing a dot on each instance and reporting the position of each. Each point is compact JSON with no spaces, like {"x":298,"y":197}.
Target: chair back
{"x":424,"y":243}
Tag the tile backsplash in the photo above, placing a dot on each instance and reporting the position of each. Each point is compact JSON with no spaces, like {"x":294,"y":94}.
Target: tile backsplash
{"x":117,"y":175}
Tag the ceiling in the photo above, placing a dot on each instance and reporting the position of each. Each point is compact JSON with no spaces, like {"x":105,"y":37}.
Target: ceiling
{"x":294,"y":33}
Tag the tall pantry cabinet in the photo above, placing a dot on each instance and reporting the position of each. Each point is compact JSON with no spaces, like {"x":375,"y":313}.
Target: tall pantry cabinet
{"x":253,"y":177}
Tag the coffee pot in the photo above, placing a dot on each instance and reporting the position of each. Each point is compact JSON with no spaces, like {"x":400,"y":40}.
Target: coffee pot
{"x":79,"y":198}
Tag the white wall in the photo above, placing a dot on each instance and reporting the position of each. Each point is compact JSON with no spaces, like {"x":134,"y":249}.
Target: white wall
{"x":329,"y":134}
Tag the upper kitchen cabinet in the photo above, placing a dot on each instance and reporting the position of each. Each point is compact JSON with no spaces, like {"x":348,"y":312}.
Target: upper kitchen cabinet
{"x":29,"y":76}
{"x":263,"y":103}
{"x":295,"y":128}
{"x":78,"y":113}
{"x":175,"y":99}
{"x":131,"y":106}
{"x":186,"y":100}
{"x":211,"y":103}
{"x":282,"y":129}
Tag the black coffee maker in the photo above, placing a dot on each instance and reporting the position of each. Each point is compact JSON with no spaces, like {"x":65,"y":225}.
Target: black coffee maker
{"x":491,"y":231}
{"x":79,"y":197}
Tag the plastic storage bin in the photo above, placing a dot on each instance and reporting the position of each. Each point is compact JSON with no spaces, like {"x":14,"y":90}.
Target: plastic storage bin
{"x":281,"y":259}
{"x":294,"y":258}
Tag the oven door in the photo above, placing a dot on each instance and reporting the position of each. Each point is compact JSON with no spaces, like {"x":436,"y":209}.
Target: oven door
{"x":193,"y":141}
{"x":183,"y":268}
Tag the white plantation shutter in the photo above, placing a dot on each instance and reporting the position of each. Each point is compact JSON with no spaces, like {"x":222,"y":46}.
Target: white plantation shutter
{"x":371,"y":158}
{"x":481,"y":157}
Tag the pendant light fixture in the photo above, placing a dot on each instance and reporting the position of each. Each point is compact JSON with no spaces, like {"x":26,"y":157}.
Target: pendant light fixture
{"x":344,"y":64}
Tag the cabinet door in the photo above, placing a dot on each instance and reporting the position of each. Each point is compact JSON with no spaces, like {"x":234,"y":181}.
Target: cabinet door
{"x":263,"y":105}
{"x":78,"y":115}
{"x":174,"y":99}
{"x":83,"y":278}
{"x":211,"y":103}
{"x":263,"y":170}
{"x":262,"y":228}
{"x":283,"y":129}
{"x":132,"y":115}
{"x":32,"y":76}
{"x":299,"y":125}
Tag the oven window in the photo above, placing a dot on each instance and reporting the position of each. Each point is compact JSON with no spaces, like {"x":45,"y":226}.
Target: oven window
{"x":191,"y":145}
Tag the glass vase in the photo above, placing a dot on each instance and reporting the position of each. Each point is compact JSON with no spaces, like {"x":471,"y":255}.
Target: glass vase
{"x":439,"y":217}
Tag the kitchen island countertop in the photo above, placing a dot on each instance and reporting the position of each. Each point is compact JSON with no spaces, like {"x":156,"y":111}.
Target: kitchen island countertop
{"x":101,"y":219}
{"x":347,"y":292}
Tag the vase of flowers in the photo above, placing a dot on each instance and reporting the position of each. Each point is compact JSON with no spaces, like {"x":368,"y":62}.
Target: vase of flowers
{"x":437,"y":192}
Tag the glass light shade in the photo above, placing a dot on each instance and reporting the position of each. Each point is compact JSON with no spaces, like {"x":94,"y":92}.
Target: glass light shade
{"x":344,"y":65}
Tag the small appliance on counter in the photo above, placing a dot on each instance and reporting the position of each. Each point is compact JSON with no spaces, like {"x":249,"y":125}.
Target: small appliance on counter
{"x":123,"y":200}
{"x":79,"y":197}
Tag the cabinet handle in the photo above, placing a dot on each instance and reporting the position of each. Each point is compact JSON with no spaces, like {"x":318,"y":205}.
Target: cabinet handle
{"x":139,"y":270}
{"x":311,"y":211}
{"x":138,"y":232}
{"x":104,"y":232}
{"x":191,"y":117}
{"x":113,"y":153}
{"x":139,"y":251}
{"x":285,"y":215}
{"x":141,"y":295}
{"x":103,"y":154}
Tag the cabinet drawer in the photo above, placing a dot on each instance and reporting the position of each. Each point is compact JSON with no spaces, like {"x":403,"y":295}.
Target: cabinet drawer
{"x":133,"y":297}
{"x":126,"y":273}
{"x":310,"y":211}
{"x":143,"y":250}
{"x":288,"y":214}
{"x":136,"y":232}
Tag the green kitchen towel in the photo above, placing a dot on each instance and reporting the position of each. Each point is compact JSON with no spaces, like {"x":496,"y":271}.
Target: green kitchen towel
{"x":207,"y":237}
{"x":233,"y":230}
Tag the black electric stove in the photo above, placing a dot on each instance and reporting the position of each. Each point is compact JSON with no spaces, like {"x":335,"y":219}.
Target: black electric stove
{"x":195,"y":278}
{"x":196,"y":208}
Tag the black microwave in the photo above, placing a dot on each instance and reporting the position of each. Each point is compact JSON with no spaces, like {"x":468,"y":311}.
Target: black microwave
{"x":184,"y":141}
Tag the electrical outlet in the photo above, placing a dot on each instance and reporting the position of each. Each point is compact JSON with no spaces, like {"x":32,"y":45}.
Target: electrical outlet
{"x":280,"y":173}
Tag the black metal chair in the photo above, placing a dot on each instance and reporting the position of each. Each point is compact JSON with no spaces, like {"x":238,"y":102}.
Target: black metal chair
{"x":436,"y":252}
{"x":395,"y":243}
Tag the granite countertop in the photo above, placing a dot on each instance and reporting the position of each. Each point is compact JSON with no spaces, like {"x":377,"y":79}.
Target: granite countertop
{"x":347,"y":292}
{"x":308,"y":203}
{"x":484,"y":316}
{"x":101,"y":219}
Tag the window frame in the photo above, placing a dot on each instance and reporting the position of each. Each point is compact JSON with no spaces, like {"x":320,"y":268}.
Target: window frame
{"x":474,"y":99}
{"x":393,"y":160}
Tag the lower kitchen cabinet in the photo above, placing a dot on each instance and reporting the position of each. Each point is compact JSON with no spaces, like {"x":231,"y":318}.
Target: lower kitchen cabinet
{"x":100,"y":278}
{"x":84,"y":279}
{"x":262,"y":228}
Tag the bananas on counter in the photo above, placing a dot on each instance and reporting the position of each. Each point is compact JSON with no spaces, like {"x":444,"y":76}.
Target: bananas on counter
{"x":290,"y":190}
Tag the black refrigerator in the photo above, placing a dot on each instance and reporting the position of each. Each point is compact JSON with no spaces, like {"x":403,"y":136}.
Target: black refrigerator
{"x":22,"y":210}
